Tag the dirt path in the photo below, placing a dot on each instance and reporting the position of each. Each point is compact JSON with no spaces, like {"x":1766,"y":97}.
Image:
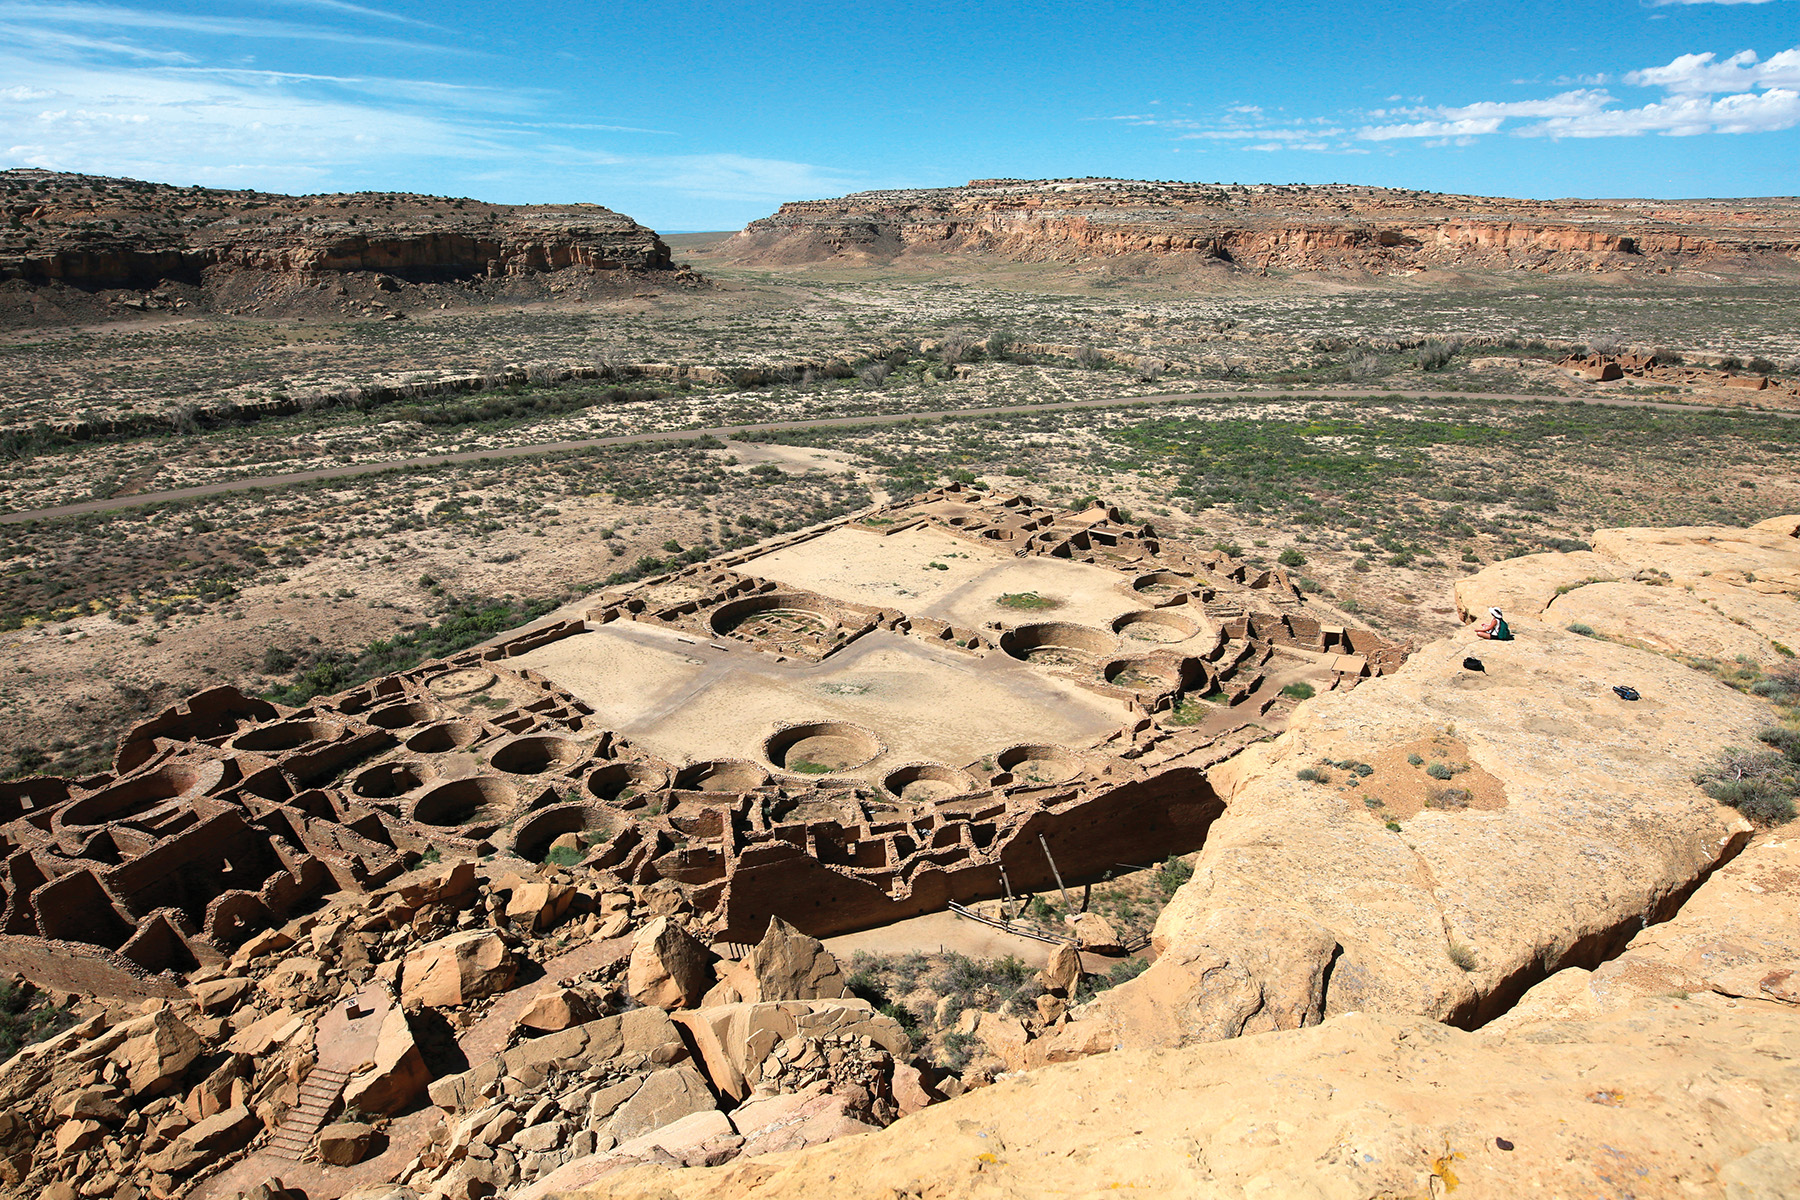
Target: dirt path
{"x":724,"y":431}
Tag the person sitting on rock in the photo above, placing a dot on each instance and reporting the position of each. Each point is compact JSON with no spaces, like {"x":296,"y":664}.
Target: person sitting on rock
{"x":1496,"y":629}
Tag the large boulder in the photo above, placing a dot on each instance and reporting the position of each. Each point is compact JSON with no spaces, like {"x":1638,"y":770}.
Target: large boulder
{"x":535,"y":907}
{"x":157,"y":1050}
{"x":665,"y":1097}
{"x":397,"y":1077}
{"x":208,"y":1140}
{"x":1244,"y":970}
{"x":668,"y":967}
{"x":785,"y":965}
{"x":345,"y":1143}
{"x":456,"y":970}
{"x":558,"y":1008}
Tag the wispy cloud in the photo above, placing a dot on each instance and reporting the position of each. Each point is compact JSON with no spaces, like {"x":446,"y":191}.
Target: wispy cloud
{"x":114,"y":17}
{"x":1702,"y":94}
{"x":108,"y":89}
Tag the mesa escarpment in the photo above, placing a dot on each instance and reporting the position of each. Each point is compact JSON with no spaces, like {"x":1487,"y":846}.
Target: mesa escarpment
{"x":99,"y":234}
{"x":1267,"y":226}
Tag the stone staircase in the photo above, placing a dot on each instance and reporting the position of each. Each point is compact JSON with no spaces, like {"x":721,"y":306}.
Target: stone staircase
{"x":293,"y":1139}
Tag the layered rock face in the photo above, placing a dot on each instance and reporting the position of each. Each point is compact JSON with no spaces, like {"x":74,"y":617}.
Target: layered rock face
{"x":92,"y":233}
{"x":1267,"y":226}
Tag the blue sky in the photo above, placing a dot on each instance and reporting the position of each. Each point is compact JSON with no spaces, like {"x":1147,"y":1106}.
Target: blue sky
{"x":706,"y":115}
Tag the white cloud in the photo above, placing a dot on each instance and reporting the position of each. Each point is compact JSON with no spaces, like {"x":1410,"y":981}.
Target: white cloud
{"x":1695,"y":74}
{"x":1703,"y":94}
{"x":115,"y":17}
{"x":83,"y":93}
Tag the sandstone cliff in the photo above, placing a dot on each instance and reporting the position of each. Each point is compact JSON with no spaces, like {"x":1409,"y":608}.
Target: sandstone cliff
{"x":1269,"y":226}
{"x":1668,"y":1073}
{"x":93,"y":233}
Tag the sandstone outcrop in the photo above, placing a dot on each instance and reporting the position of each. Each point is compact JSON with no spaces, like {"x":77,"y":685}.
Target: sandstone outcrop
{"x":1704,"y":591}
{"x":92,"y":232}
{"x":1661,"y":1074}
{"x":1267,"y":226}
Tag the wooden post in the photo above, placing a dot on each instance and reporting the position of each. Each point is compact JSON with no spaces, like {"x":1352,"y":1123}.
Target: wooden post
{"x":1067,"y":903}
{"x":1007,"y":884}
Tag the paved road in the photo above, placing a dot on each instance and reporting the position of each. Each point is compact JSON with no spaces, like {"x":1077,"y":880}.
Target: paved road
{"x":116,"y":503}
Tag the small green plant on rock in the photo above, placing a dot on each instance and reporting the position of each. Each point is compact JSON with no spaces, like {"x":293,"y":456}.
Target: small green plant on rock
{"x":1026,"y":601}
{"x":1187,"y":712}
{"x":563,"y":856}
{"x":1760,"y":784}
{"x":1461,"y":955}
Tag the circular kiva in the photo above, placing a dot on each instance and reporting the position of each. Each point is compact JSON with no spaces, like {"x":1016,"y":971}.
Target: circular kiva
{"x":465,"y":801}
{"x":1141,"y":674}
{"x":437,"y":739}
{"x":465,"y":681}
{"x":535,"y":755}
{"x":401,"y":716}
{"x":1155,"y":625}
{"x":1039,"y":764}
{"x":778,"y":618}
{"x":384,"y":781}
{"x":132,"y":796}
{"x":1161,"y":583}
{"x":821,"y":747}
{"x":285,"y":735}
{"x":926,"y":783}
{"x":625,"y":783}
{"x":721,"y":775}
{"x":531,"y":840}
{"x":1057,"y":644}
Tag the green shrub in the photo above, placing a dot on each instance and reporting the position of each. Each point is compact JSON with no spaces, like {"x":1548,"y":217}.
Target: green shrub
{"x":1291,"y":558}
{"x":563,"y":856}
{"x":1461,"y":955}
{"x":1299,"y":691}
{"x":1438,"y":770}
{"x":1415,"y":760}
{"x":1784,"y":739}
{"x":1173,"y":872}
{"x":1760,"y":784}
{"x":1312,"y":775}
{"x":26,"y":1016}
{"x":1583,"y":630}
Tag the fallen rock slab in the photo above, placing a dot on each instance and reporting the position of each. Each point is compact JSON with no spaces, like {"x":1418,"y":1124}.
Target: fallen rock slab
{"x":457,"y":969}
{"x":668,"y":967}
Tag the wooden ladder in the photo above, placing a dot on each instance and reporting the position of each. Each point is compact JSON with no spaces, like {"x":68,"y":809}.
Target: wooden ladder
{"x":293,"y":1138}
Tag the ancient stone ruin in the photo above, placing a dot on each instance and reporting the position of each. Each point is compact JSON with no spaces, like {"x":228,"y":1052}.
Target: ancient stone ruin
{"x":770,"y":746}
